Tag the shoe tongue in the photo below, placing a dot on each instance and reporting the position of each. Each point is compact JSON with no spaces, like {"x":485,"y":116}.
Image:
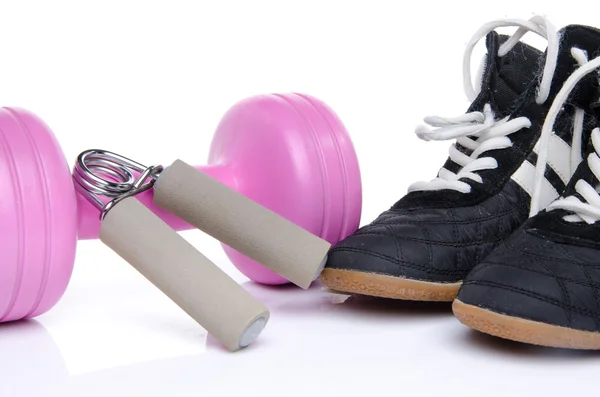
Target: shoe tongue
{"x":587,"y":39}
{"x":506,"y":78}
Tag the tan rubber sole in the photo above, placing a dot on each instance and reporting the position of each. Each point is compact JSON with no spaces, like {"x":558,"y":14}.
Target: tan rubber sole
{"x":526,"y":331}
{"x":387,"y":286}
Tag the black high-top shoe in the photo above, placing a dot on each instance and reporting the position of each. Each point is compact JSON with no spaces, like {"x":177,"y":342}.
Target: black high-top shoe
{"x":542,"y":285}
{"x":426,"y":244}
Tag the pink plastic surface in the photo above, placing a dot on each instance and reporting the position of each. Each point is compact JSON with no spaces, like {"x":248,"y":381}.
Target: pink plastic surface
{"x":38,"y":217}
{"x":293,"y":155}
{"x":289,"y":152}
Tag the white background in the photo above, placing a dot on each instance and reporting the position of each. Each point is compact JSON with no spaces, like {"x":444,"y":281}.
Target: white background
{"x":151,"y":80}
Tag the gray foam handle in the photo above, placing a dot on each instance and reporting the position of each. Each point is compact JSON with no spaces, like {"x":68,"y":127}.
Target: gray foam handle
{"x":241,"y":223}
{"x":199,"y":287}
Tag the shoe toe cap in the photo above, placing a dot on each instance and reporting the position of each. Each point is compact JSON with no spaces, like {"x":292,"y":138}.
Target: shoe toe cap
{"x":526,"y":290}
{"x":365,"y":253}
{"x":388,"y":255}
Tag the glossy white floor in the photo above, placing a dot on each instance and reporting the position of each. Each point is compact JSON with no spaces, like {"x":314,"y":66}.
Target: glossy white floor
{"x":113,"y":334}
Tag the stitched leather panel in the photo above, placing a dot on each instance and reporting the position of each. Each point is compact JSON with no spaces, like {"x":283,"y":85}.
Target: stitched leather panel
{"x":439,"y":245}
{"x":536,"y":278}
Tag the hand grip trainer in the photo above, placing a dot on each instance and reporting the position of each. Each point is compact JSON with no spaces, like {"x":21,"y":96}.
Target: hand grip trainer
{"x":110,"y":182}
{"x":241,"y":223}
{"x":194,"y":283}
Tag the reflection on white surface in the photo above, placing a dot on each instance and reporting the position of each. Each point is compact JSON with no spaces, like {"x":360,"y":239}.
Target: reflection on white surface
{"x":134,"y":342}
{"x":32,"y":363}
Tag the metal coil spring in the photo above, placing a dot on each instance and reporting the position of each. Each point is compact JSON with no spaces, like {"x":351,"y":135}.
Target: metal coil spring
{"x":100,"y":173}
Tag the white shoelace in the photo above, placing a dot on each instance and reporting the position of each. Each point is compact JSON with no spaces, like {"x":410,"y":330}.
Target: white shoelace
{"x":490,"y":134}
{"x":537,"y":24}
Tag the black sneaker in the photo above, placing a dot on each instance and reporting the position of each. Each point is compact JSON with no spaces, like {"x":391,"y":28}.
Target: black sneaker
{"x":426,"y":244}
{"x":542,"y":285}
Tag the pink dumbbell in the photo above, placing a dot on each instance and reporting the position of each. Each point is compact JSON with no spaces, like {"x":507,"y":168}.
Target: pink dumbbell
{"x":290,"y":153}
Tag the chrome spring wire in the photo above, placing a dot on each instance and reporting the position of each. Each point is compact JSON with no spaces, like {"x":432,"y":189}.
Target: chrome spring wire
{"x":100,"y":173}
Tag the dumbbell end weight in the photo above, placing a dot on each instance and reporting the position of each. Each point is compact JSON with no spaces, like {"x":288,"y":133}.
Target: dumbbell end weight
{"x":38,"y":217}
{"x":291,"y":154}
